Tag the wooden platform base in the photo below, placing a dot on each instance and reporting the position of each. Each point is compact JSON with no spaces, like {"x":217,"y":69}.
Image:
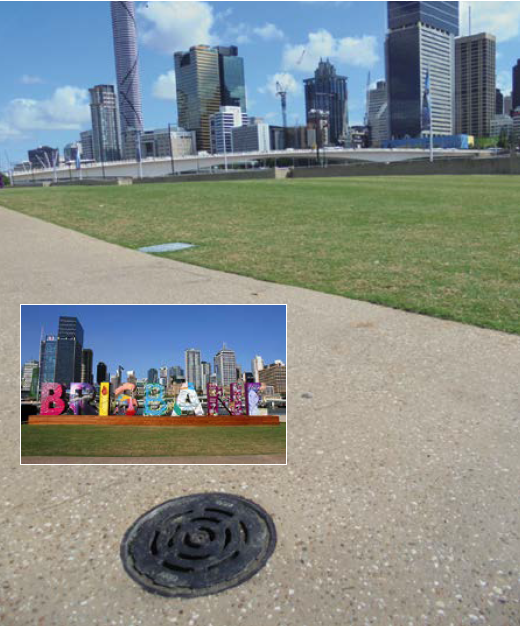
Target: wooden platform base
{"x":148,"y":420}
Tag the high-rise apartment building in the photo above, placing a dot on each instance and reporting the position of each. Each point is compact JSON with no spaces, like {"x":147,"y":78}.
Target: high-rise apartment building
{"x":515,"y":95}
{"x":257,"y":365}
{"x":193,"y":368}
{"x":222,"y":124}
{"x":87,"y":145}
{"x":327,"y":91}
{"x":378,"y":114}
{"x":225,"y":366}
{"x":508,"y":104}
{"x":421,"y":40}
{"x":475,"y":86}
{"x":127,"y":68}
{"x":69,"y":351}
{"x":101,"y":373}
{"x":232,"y":80}
{"x":86,"y":366}
{"x":29,"y":369}
{"x":205,"y":374}
{"x":207,"y":78}
{"x":105,"y":126}
{"x":275,"y":376}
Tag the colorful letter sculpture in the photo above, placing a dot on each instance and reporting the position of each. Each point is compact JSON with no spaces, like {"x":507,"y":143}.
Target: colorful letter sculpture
{"x":237,"y":399}
{"x":126,"y":402}
{"x":154,"y":402}
{"x":253,"y":397}
{"x":80,"y":397}
{"x":52,"y":402}
{"x":104,"y":399}
{"x":213,"y":395}
{"x":188,"y":401}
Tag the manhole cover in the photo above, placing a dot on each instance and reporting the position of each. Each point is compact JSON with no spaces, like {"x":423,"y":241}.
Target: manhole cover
{"x":198,"y":545}
{"x":166,"y":247}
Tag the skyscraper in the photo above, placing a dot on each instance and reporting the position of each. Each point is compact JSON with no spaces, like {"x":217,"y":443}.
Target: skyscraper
{"x":421,"y":39}
{"x":207,"y":78}
{"x":378,"y":114}
{"x":257,"y":365}
{"x":127,"y":68}
{"x":515,"y":95}
{"x":48,"y":349}
{"x":29,"y":368}
{"x":475,"y":91}
{"x":193,"y":369}
{"x":69,"y":351}
{"x":328,"y":92}
{"x":225,"y":366}
{"x":499,"y":102}
{"x":153,"y":376}
{"x":232,"y":81}
{"x":86,"y":366}
{"x":221,"y":125}
{"x":101,"y":373}
{"x":105,"y":128}
{"x":205,"y":374}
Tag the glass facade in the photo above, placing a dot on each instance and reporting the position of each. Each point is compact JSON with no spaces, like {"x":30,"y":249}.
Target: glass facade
{"x":48,"y":350}
{"x":232,"y":81}
{"x":516,"y":86}
{"x":328,"y":92}
{"x":105,"y":129}
{"x":441,"y":15}
{"x":69,"y":351}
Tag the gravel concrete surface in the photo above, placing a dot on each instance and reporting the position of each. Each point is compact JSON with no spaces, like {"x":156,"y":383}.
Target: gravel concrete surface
{"x":400,"y":500}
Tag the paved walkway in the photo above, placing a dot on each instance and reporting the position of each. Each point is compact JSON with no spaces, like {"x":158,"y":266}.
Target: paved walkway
{"x":399,"y":504}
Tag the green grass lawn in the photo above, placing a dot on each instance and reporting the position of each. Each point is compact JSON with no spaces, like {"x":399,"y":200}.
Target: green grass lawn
{"x":152,"y":441}
{"x":446,"y":246}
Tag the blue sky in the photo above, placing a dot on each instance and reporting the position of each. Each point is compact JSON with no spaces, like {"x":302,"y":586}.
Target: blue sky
{"x":142,"y":337}
{"x":54,"y":51}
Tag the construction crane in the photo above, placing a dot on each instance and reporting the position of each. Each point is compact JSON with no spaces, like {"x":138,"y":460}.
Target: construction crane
{"x":282,"y":92}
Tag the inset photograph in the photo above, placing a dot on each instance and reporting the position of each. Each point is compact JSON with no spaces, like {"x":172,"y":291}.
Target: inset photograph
{"x":153,"y":384}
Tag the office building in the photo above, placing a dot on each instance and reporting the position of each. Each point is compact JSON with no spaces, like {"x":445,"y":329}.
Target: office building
{"x":127,"y":69}
{"x":163,"y":375}
{"x":475,"y":85}
{"x":87,"y":146}
{"x":48,"y":350}
{"x":257,"y":365}
{"x":501,"y":126}
{"x":198,"y":91}
{"x":516,"y":127}
{"x":275,"y":376}
{"x":232,"y":80}
{"x":70,"y":151}
{"x":318,"y":128}
{"x":515,"y":95}
{"x":205,"y":374}
{"x":377,"y":114}
{"x":251,"y":138}
{"x":105,"y":128}
{"x":499,"y":102}
{"x":193,"y":369}
{"x":508,"y":104}
{"x":221,"y":125}
{"x":225,"y":366}
{"x":44,"y":157}
{"x":153,"y":376}
{"x":164,"y":142}
{"x":101,"y":373}
{"x":328,"y":92}
{"x":86,"y":366}
{"x":69,"y":351}
{"x":421,"y":39}
{"x":207,"y":78}
{"x":177,"y":373}
{"x":29,"y":371}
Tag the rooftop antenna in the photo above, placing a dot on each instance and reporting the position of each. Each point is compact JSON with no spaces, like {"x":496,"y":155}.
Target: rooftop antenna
{"x":469,"y":20}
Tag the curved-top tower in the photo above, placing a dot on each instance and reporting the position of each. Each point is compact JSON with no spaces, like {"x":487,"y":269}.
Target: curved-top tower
{"x":127,"y":66}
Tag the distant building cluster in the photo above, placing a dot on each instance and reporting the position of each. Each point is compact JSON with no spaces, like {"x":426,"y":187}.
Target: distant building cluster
{"x":63,"y":359}
{"x":422,"y":40}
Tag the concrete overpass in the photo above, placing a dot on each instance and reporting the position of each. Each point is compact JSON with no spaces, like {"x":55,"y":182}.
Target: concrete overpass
{"x":159,"y":167}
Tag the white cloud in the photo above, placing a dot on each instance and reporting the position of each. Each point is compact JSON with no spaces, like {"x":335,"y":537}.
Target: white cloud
{"x":27,"y":79}
{"x":499,"y":18}
{"x":286,"y":80}
{"x":174,"y":26}
{"x":66,"y":109}
{"x":7,"y":132}
{"x":164,"y":87}
{"x":269,"y":32}
{"x":355,"y":51}
{"x":505,"y":82}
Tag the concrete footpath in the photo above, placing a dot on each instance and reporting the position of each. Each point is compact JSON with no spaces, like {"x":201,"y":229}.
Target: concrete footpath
{"x":399,"y":504}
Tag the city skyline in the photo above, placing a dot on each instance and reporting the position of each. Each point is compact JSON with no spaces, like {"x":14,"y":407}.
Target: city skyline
{"x":137,"y":342}
{"x":275,"y":41}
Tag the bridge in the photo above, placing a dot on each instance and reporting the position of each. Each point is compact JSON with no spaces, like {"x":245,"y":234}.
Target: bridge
{"x":206,"y":163}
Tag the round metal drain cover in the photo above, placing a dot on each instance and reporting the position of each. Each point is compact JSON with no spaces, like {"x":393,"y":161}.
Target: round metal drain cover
{"x":198,"y":545}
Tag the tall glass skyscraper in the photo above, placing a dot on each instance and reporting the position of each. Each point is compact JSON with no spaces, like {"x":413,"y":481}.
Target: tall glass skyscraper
{"x":232,"y":81}
{"x":69,"y":351}
{"x":516,"y":86}
{"x":328,"y":92}
{"x":48,"y":348}
{"x":193,"y":368}
{"x":105,"y":127}
{"x":127,"y":66}
{"x":225,"y":366}
{"x":421,"y":39}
